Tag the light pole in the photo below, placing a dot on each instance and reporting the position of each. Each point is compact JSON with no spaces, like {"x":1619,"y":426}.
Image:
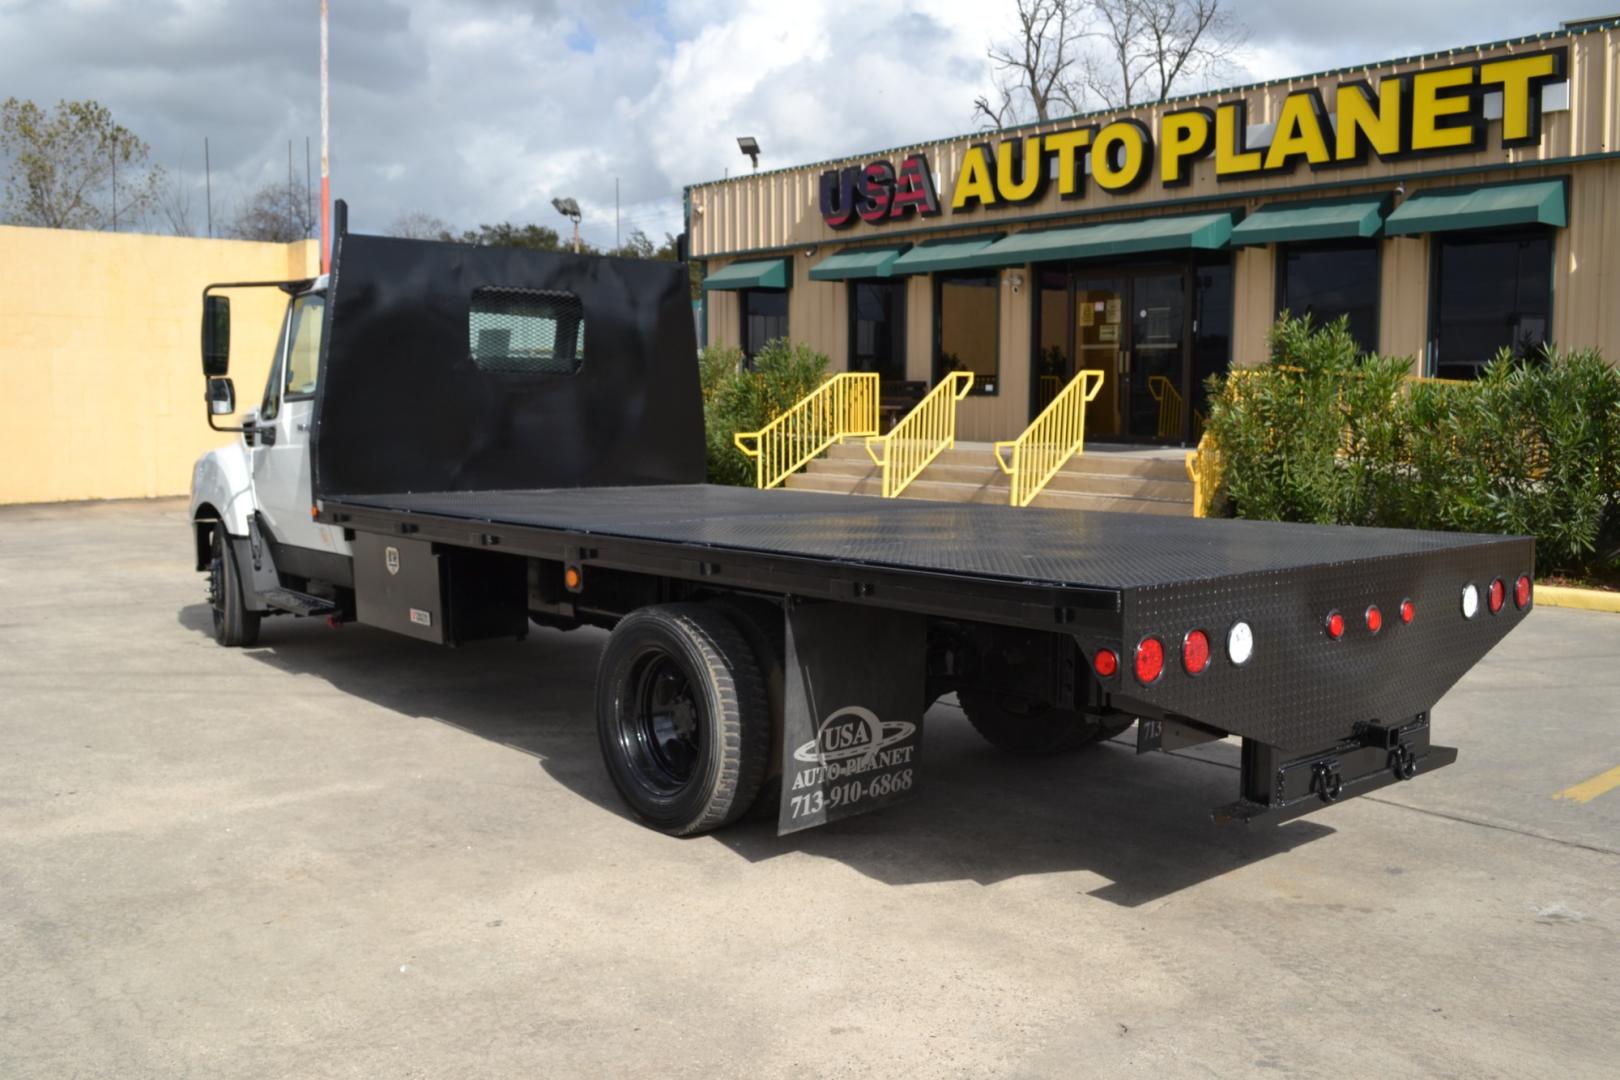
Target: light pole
{"x":569,"y":209}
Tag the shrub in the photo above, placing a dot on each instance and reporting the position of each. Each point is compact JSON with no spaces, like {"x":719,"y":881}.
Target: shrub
{"x":1321,"y":434}
{"x":736,"y":398}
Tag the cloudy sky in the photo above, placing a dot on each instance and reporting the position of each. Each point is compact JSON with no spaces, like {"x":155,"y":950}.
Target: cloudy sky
{"x":483,"y":110}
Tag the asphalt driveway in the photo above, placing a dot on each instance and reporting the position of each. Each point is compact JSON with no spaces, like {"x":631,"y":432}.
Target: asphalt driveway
{"x":347,"y":854}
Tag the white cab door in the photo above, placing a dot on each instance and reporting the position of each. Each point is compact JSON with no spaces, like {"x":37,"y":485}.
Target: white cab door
{"x":281,"y":472}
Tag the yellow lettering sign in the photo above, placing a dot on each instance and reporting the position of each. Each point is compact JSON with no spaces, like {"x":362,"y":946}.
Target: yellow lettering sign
{"x":1301,"y":132}
{"x":1363,"y":125}
{"x":1185,"y":137}
{"x":1068,"y":147}
{"x":1029,"y":185}
{"x":1439,"y":98}
{"x":973,"y":180}
{"x":1520,"y":77}
{"x":1231,"y":126}
{"x":1122,"y":155}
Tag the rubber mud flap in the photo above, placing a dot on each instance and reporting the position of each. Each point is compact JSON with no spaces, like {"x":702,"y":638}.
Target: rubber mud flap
{"x":852,"y":725}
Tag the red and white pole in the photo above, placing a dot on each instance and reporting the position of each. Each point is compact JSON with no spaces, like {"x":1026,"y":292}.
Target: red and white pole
{"x":326,"y":131}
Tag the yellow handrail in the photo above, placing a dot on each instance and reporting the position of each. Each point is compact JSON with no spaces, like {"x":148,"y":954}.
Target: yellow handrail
{"x":921,"y":435}
{"x":1169,"y":399}
{"x":843,"y":406}
{"x":1051,"y":439}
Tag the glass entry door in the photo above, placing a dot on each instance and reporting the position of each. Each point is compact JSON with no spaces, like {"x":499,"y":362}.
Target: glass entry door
{"x":1131,"y":326}
{"x":1155,"y":361}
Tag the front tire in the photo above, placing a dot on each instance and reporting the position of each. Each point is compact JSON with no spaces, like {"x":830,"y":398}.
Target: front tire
{"x":1033,"y":729}
{"x":682,"y":717}
{"x":234,"y":624}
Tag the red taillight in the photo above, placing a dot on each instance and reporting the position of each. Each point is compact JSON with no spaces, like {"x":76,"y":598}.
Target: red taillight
{"x":1498,"y":595}
{"x":1521,"y":590}
{"x":1106,"y":663}
{"x":1195,"y":652}
{"x":1408,"y":611}
{"x":1335,"y":625}
{"x":1149,"y":660}
{"x":1375,"y":619}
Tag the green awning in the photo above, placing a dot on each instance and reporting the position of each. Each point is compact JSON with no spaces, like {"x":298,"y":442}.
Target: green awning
{"x":938,"y":255}
{"x":1336,"y":219}
{"x":760,"y":274}
{"x":1539,"y":203}
{"x":1114,"y":238}
{"x":875,"y":262}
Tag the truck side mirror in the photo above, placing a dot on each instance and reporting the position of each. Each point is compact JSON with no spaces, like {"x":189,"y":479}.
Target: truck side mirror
{"x":221,"y":396}
{"x":216,"y":337}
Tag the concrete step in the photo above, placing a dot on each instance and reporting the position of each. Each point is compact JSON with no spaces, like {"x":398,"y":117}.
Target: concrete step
{"x":1156,"y":466}
{"x":1072,"y":500}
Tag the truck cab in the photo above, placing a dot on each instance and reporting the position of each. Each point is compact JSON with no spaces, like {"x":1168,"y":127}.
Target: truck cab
{"x":252,"y":501}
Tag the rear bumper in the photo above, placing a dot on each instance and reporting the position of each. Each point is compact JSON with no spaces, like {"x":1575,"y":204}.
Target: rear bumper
{"x":1279,"y":785}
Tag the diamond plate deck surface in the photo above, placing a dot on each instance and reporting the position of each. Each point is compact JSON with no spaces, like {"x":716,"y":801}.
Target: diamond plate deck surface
{"x":1077,"y":548}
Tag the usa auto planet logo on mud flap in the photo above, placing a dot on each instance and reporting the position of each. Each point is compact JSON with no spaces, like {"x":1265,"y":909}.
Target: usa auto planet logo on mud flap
{"x":855,"y":756}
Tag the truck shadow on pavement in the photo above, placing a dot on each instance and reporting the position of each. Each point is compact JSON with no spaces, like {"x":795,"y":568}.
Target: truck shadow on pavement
{"x":1140,"y":823}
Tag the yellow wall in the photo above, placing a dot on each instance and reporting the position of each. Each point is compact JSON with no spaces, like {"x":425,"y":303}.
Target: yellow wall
{"x":101,"y":386}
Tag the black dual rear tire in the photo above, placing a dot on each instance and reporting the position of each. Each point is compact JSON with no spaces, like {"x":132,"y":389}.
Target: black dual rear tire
{"x":1033,"y":729}
{"x":682,"y":715}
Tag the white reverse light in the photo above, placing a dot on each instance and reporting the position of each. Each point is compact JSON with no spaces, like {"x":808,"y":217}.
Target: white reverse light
{"x":1470,"y":601}
{"x":1240,"y":643}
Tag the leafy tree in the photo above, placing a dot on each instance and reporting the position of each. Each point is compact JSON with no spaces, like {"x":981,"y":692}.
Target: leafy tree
{"x":531,"y":236}
{"x":61,"y":166}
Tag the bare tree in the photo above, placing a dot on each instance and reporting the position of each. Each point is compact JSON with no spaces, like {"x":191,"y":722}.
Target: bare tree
{"x":73,"y":167}
{"x":1038,"y":70}
{"x":173,"y":200}
{"x":279,"y":212}
{"x":419,"y":225}
{"x":1148,"y":48}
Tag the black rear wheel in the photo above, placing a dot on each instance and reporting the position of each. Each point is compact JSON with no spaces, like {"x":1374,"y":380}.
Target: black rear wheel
{"x":682,"y":717}
{"x":1033,"y":729}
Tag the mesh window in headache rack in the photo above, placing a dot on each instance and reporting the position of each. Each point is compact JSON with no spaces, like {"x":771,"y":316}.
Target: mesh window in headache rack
{"x":514,"y":331}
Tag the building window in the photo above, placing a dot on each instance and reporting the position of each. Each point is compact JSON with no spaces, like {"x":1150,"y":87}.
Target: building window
{"x":967,"y":309}
{"x":1332,"y":281}
{"x":764,"y":318}
{"x":1492,"y":291}
{"x":877,"y":328}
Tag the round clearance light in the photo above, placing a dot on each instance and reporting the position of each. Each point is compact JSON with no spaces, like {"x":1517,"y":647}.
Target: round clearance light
{"x":1470,"y":601}
{"x":1106,"y":663}
{"x":1498,"y":595}
{"x":1335,"y":625}
{"x":1195,"y":652}
{"x":1149,"y":661}
{"x":1521,"y":590}
{"x":1240,"y":643}
{"x":1408,"y":612}
{"x":1375,"y":619}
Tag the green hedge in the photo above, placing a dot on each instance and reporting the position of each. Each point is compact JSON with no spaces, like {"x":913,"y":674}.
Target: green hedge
{"x":736,"y":398}
{"x":1321,"y":433}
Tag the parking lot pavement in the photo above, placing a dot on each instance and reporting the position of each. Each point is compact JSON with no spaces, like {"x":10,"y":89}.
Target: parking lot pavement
{"x":346,"y":854}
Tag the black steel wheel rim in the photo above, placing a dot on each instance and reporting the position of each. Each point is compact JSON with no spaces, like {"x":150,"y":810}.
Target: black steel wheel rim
{"x":661,"y":727}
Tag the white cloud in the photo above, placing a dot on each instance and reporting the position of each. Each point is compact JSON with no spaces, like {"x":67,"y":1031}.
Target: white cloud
{"x":482,"y":110}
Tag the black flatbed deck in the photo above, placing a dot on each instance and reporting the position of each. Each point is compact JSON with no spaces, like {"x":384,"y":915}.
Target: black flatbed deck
{"x":1087,"y":557}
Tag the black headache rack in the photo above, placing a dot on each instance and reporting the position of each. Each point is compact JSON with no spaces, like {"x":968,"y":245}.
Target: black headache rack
{"x":476,"y":403}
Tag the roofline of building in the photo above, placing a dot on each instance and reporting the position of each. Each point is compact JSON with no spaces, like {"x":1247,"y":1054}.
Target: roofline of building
{"x":1570,"y":32}
{"x":1190,"y":203}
